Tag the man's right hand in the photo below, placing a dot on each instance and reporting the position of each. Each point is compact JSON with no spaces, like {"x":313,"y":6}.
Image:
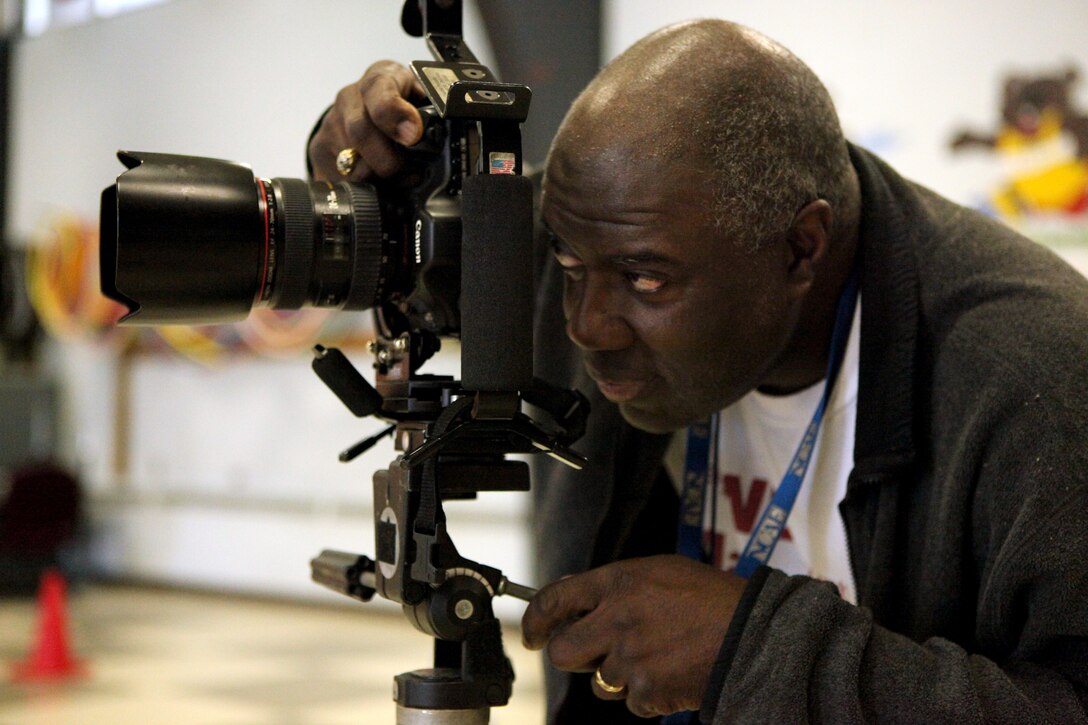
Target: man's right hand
{"x":371,"y":116}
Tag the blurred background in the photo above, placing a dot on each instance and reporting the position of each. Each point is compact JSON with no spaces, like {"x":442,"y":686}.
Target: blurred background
{"x":173,"y":470}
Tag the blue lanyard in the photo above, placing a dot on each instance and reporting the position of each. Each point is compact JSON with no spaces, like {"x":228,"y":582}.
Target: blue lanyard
{"x":701,"y":449}
{"x":697,"y":463}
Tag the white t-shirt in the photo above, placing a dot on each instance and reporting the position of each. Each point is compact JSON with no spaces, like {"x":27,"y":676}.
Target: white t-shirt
{"x":758,"y":436}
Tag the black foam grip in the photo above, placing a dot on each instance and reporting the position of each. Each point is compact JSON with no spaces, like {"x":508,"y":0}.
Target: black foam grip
{"x":497,"y":283}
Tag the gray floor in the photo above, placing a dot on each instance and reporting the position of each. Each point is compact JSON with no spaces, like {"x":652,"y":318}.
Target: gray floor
{"x":156,"y":655}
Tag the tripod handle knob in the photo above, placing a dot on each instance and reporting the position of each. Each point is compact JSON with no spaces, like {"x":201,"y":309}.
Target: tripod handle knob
{"x":349,"y":574}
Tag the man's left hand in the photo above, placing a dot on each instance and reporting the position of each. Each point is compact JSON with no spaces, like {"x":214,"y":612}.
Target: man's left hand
{"x":652,"y":626}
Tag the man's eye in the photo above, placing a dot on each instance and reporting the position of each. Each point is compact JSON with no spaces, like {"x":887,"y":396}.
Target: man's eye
{"x":574,"y":274}
{"x":572,"y":266}
{"x":643,"y":283}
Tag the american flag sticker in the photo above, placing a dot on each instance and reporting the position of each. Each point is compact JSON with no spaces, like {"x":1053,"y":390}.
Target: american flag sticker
{"x":502,"y":162}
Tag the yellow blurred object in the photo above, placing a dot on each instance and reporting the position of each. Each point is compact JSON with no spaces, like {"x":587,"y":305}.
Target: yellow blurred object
{"x":62,"y":281}
{"x":1044,"y":172}
{"x":192,"y":342}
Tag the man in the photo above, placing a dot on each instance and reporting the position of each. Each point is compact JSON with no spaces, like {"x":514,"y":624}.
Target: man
{"x":710,"y":229}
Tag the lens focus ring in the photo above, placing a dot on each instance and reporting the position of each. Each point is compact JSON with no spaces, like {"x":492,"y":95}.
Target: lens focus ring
{"x":296,"y":264}
{"x":367,"y":254}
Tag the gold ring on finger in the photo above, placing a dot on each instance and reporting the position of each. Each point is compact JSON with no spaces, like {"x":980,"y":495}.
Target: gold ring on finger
{"x":601,"y":683}
{"x":345,"y":161}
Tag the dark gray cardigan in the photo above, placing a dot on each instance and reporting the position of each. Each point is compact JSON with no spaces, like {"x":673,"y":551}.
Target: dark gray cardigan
{"x":966,"y":513}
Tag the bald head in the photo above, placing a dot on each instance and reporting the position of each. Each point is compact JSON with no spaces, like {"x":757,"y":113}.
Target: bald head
{"x":721,"y":98}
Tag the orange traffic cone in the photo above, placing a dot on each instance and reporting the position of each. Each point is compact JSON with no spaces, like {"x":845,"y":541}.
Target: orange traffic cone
{"x":50,"y":659}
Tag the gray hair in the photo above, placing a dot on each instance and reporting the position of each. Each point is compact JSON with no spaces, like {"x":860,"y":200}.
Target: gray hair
{"x":749,"y":113}
{"x":774,"y":143}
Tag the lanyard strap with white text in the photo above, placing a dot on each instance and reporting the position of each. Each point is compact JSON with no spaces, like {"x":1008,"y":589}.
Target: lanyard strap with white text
{"x":701,"y":448}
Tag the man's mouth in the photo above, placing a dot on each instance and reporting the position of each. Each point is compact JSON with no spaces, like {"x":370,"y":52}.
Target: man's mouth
{"x":620,"y":392}
{"x":616,"y":388}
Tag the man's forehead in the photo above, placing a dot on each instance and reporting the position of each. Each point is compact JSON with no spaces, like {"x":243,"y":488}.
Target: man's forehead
{"x":582,"y":154}
{"x":625,"y":167}
{"x":613,"y":198}
{"x":657,"y":226}
{"x":624,"y":181}
{"x":626,"y":251}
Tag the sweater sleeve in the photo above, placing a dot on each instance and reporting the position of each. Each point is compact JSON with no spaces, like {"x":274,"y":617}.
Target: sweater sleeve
{"x":805,"y":655}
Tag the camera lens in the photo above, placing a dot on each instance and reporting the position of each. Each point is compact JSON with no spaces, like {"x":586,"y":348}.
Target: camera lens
{"x":194,"y":240}
{"x":321,"y":245}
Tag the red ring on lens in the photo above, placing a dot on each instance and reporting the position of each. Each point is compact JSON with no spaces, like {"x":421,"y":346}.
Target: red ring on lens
{"x":267,"y":237}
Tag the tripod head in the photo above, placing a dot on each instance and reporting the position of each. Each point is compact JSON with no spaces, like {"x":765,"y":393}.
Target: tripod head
{"x":453,"y":444}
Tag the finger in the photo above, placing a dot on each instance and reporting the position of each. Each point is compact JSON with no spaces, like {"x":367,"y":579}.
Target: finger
{"x":384,"y":90}
{"x":347,"y":126}
{"x":350,"y":124}
{"x":644,"y":699}
{"x":378,"y":120}
{"x":332,"y":138}
{"x":561,"y":602}
{"x":324,"y":146}
{"x":378,"y":155}
{"x":610,"y":681}
{"x":580,"y":645}
{"x":554,"y":606}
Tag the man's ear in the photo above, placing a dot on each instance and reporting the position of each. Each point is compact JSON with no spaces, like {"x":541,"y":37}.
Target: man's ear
{"x":807,"y":242}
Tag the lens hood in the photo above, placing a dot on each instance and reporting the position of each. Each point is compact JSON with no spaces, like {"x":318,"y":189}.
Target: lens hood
{"x":189,"y":248}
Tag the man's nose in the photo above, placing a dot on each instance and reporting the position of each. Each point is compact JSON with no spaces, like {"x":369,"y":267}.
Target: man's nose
{"x":594,"y":322}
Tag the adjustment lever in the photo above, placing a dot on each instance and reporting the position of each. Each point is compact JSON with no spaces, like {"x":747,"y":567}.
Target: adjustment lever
{"x":518,"y":591}
{"x":353,"y":575}
{"x":350,"y":454}
{"x":337,"y":372}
